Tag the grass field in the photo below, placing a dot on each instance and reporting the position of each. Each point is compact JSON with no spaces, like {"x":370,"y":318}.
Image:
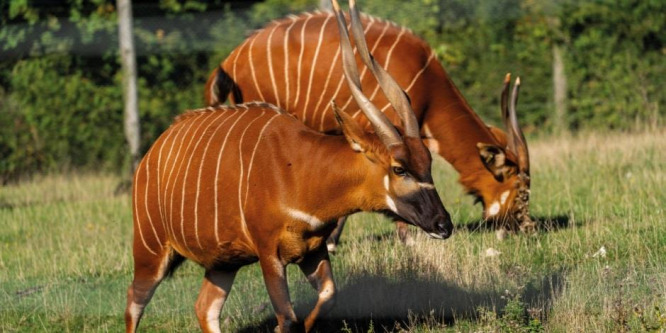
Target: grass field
{"x":65,"y":258}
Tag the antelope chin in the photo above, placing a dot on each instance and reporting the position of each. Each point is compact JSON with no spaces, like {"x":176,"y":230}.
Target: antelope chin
{"x":434,"y":235}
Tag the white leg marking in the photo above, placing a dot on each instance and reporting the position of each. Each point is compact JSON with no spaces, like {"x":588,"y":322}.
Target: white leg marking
{"x":249,"y":167}
{"x":213,"y":315}
{"x":300,"y":215}
{"x":217,"y":173}
{"x":493,"y":209}
{"x":300,"y":61}
{"x":313,"y":66}
{"x":203,"y":160}
{"x":286,"y":62}
{"x":270,"y":65}
{"x":135,"y":311}
{"x":254,"y":75}
{"x":503,"y":197}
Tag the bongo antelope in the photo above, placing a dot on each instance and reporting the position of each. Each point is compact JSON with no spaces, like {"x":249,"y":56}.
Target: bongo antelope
{"x":228,"y":186}
{"x":295,"y":63}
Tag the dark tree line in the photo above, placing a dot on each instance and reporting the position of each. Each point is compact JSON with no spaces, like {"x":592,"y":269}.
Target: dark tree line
{"x":592,"y":64}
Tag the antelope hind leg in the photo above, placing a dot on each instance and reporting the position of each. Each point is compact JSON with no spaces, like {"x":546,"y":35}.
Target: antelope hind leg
{"x":149,"y":271}
{"x":214,"y":291}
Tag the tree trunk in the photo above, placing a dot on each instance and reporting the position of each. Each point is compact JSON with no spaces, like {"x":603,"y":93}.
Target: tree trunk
{"x":325,"y":5}
{"x":128,"y":59}
{"x":559,"y":91}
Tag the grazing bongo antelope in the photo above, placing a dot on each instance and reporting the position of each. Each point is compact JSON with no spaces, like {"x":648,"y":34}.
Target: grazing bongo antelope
{"x":299,"y":63}
{"x":228,"y":186}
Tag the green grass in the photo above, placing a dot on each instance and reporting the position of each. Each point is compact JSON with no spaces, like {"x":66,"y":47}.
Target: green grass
{"x":65,"y":259}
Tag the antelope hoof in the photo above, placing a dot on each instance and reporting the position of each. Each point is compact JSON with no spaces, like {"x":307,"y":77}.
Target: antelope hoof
{"x":289,"y":327}
{"x":528,"y":228}
{"x":331,"y":247}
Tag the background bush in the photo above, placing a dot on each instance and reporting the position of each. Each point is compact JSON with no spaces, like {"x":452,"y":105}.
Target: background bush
{"x":61,"y":100}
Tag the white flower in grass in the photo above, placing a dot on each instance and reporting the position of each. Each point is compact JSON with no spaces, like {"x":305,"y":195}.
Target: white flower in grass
{"x":601,"y":253}
{"x":490,"y":253}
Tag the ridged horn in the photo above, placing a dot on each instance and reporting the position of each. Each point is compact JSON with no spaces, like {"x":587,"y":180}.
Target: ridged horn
{"x":383,"y":127}
{"x":519,"y":142}
{"x":396,"y":96}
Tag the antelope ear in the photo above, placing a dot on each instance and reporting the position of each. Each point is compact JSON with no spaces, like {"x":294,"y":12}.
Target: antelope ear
{"x":351,"y":129}
{"x":494,"y":159}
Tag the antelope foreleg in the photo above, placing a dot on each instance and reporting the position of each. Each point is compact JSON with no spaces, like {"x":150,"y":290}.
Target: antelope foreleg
{"x":403,"y":233}
{"x":214,"y":291}
{"x":317,"y":269}
{"x":275,"y":277}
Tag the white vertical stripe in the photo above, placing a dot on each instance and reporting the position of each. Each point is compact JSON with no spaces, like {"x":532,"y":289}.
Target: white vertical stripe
{"x":186,"y":134}
{"x":388,"y":59}
{"x":286,"y":62}
{"x":249,"y":168}
{"x":269,"y":46}
{"x":217,"y":173}
{"x":136,"y":214}
{"x":240,"y":178}
{"x":254,"y":76}
{"x":300,"y":61}
{"x":150,"y":219}
{"x":203,"y":161}
{"x":313,"y":66}
{"x":365,"y":69}
{"x":187,"y":170}
{"x":416,"y":77}
{"x":169,"y":161}
{"x":238,"y":52}
{"x":323,"y":91}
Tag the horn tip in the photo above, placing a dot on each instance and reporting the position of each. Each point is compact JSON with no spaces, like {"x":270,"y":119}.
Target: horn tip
{"x":336,"y":6}
{"x":507,"y":78}
{"x":352,"y":3}
{"x":518,"y":80}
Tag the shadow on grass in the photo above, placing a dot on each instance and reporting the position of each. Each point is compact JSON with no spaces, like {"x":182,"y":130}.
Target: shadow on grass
{"x":386,"y":304}
{"x":544,"y":224}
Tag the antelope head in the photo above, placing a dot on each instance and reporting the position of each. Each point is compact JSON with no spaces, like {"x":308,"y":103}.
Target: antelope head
{"x":411,"y":194}
{"x":511,"y":208}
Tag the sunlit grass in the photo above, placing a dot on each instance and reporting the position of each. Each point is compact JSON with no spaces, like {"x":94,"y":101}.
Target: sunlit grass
{"x":65,"y":259}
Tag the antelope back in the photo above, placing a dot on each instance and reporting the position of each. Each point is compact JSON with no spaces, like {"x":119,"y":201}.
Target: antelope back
{"x":295,"y":63}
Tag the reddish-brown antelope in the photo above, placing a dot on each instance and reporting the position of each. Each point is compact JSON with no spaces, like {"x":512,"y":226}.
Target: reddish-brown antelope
{"x":228,"y":186}
{"x":295,"y":64}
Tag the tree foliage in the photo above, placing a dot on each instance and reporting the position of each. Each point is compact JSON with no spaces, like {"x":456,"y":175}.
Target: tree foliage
{"x":60,"y":94}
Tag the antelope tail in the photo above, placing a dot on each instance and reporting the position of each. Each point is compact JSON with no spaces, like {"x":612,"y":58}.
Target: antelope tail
{"x":219,"y":86}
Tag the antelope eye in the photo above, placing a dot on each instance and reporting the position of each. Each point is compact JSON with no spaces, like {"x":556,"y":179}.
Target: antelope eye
{"x":400,"y":171}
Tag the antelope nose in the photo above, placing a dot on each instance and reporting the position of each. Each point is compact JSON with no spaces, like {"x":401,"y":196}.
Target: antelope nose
{"x":445,"y":229}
